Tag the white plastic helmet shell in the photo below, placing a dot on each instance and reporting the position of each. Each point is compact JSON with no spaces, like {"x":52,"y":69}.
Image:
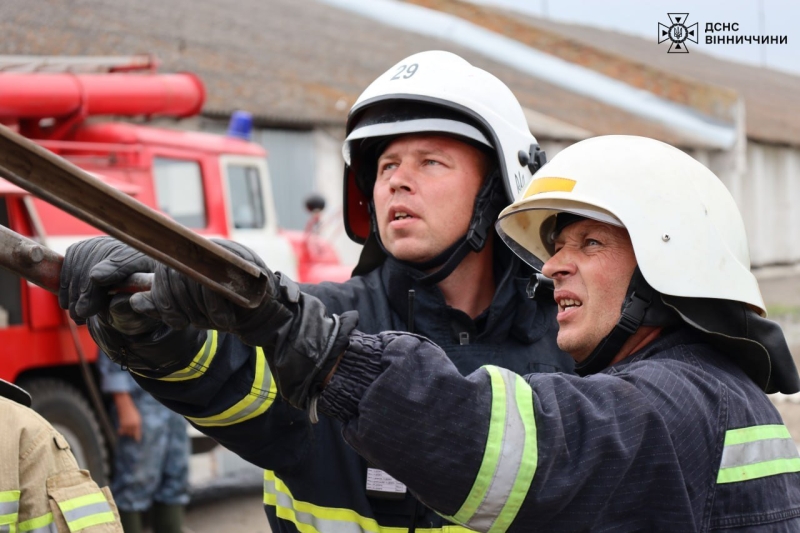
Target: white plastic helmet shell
{"x":443,"y":78}
{"x":687,"y":233}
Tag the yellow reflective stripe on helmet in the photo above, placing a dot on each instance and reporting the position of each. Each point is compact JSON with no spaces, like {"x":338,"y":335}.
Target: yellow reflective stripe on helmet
{"x":542,"y":185}
{"x":256,"y":402}
{"x":510,"y":458}
{"x":9,"y":509}
{"x":200,"y":363}
{"x":40,"y":524}
{"x":86,"y":511}
{"x":310,"y":518}
{"x":756,"y":452}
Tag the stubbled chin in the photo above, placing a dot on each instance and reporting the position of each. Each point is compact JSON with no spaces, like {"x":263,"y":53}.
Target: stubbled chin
{"x":407,"y":249}
{"x":567,"y":341}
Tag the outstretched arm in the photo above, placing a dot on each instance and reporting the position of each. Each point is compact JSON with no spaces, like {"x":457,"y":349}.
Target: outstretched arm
{"x":203,"y":356}
{"x":493,"y":450}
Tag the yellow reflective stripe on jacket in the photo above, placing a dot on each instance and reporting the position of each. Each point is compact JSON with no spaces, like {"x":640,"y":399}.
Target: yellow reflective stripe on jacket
{"x":510,"y":457}
{"x":310,"y":518}
{"x":9,"y":510}
{"x":86,"y":511}
{"x":256,"y":402}
{"x":40,"y":524}
{"x":756,"y":452}
{"x":200,"y":363}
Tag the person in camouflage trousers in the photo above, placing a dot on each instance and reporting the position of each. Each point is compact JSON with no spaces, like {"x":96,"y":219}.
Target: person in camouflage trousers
{"x":151,"y":464}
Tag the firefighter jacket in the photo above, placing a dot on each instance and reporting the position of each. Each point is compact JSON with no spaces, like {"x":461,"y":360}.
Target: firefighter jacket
{"x":313,"y":480}
{"x":42,"y":490}
{"x":675,"y":437}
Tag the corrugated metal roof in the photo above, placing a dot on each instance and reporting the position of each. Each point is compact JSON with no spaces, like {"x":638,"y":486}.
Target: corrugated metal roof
{"x":471,"y":28}
{"x":291,"y":63}
{"x":771,"y":97}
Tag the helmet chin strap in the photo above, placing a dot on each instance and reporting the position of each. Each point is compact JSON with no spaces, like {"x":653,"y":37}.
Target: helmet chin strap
{"x":638,"y":300}
{"x":488,"y":204}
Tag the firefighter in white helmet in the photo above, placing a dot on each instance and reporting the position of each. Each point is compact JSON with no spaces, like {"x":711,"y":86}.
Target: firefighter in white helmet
{"x":42,"y":489}
{"x":434,"y":149}
{"x":668,"y":428}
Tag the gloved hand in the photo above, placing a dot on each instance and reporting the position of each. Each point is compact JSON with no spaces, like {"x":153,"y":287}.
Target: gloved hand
{"x":300,"y":340}
{"x":90,"y":268}
{"x":133,"y":340}
{"x":142,"y":343}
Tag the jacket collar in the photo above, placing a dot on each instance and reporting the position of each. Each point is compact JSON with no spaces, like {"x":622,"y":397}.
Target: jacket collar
{"x":510,"y":312}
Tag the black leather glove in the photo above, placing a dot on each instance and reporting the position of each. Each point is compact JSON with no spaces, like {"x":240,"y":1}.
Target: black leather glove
{"x":131,"y":339}
{"x":141,"y":343}
{"x":300,"y":340}
{"x":90,"y":268}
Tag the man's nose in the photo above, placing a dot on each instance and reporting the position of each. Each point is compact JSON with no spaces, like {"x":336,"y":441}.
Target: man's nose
{"x":559,"y":265}
{"x":402,"y":178}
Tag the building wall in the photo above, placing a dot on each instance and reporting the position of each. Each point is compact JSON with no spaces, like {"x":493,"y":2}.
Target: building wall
{"x":302,"y":163}
{"x":765,"y":186}
{"x":764,"y":180}
{"x":769,"y":191}
{"x":328,"y":183}
{"x":292,"y":159}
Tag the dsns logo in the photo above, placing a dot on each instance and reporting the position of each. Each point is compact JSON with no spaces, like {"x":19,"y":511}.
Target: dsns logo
{"x":678,"y":33}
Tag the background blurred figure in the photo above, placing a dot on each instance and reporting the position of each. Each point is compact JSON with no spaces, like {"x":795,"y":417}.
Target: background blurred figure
{"x":151,"y":463}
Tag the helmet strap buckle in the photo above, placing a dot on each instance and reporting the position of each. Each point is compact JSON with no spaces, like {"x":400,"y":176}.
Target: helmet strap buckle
{"x":534,"y":158}
{"x":633,"y":314}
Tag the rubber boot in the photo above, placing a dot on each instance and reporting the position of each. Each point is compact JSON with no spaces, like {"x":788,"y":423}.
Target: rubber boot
{"x":167,"y":518}
{"x":131,"y":521}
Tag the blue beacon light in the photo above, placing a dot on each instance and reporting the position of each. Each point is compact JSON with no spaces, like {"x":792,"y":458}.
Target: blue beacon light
{"x":241,"y":125}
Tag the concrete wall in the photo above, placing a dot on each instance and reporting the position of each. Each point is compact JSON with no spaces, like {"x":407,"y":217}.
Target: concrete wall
{"x":766,"y":187}
{"x":763,"y":179}
{"x":770,"y":203}
{"x":328,"y":183}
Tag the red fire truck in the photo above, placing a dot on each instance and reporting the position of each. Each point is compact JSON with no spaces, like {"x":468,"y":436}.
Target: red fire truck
{"x":216,"y":185}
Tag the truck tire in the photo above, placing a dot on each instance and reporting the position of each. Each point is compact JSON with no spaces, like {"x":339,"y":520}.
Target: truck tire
{"x":69,"y":412}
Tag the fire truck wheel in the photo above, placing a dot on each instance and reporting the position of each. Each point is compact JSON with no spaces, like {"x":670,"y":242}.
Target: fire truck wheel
{"x":69,"y":412}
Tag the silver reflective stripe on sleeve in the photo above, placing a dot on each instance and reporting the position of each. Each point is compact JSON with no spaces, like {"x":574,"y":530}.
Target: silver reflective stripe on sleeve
{"x":197,"y":368}
{"x":310,"y":518}
{"x":40,"y":524}
{"x":510,"y":457}
{"x":9,"y":509}
{"x":257,"y":401}
{"x":85,"y":511}
{"x":756,"y":452}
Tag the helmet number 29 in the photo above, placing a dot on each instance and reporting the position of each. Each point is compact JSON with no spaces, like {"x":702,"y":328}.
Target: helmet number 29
{"x":405,"y":71}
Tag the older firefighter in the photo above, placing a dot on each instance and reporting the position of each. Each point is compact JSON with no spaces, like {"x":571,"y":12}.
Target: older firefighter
{"x":668,"y":429}
{"x":42,"y":490}
{"x":435,"y":148}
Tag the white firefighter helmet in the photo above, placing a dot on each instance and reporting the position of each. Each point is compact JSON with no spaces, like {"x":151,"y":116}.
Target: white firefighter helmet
{"x":687,"y":233}
{"x":434,"y":91}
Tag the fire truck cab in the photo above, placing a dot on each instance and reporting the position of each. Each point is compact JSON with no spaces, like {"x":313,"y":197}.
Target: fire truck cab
{"x":216,"y":185}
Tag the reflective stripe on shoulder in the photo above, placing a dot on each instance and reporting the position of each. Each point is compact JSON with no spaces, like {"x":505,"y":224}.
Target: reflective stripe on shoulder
{"x":310,"y":518}
{"x":756,"y":452}
{"x":256,"y":402}
{"x":85,"y":511}
{"x":200,"y":363}
{"x":9,"y":509}
{"x":40,"y":524}
{"x":509,"y":460}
